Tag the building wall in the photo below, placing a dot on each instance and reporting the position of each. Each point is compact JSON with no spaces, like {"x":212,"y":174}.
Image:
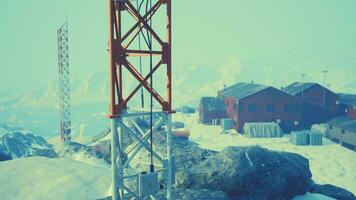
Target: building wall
{"x":313,"y":114}
{"x":313,"y":106}
{"x":314,"y":95}
{"x":262,"y":102}
{"x":351,"y":112}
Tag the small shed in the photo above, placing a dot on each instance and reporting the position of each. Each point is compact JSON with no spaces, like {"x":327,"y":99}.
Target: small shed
{"x":262,"y":130}
{"x":211,"y":108}
{"x":343,"y":131}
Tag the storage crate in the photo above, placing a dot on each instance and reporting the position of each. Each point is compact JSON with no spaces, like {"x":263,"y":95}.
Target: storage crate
{"x":299,"y":138}
{"x":316,"y":138}
{"x":216,"y":122}
{"x":227,"y":124}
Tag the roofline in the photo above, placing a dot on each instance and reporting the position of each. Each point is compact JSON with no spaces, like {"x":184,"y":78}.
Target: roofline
{"x":267,"y":87}
{"x":314,"y":84}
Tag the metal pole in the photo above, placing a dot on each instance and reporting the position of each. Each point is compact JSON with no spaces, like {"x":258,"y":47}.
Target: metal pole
{"x":324,"y":71}
{"x":303,"y":75}
{"x":169,"y":156}
{"x":115,"y":194}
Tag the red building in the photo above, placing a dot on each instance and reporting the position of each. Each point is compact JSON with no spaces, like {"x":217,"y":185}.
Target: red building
{"x":319,"y":103}
{"x":211,"y":108}
{"x":347,"y":104}
{"x":247,"y":102}
{"x":351,"y":112}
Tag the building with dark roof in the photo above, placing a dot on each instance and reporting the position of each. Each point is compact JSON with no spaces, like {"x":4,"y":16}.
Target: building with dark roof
{"x":342,"y":130}
{"x":319,"y":103}
{"x":211,"y":108}
{"x":347,"y":104}
{"x":248,"y":102}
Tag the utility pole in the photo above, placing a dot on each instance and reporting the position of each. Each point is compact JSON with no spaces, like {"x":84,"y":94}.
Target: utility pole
{"x":303,"y":75}
{"x":324,"y":72}
{"x":64,"y":85}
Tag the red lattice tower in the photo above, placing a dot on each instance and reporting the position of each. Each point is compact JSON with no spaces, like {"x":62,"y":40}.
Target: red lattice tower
{"x":120,"y":49}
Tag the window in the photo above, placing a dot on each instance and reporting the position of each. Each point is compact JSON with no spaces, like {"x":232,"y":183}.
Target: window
{"x":289,"y":108}
{"x":342,"y":131}
{"x":270,"y":108}
{"x":252,"y":108}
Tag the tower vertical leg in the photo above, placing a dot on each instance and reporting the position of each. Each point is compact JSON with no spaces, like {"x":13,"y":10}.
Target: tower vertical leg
{"x":121,"y":160}
{"x":169,"y":156}
{"x":115,"y":195}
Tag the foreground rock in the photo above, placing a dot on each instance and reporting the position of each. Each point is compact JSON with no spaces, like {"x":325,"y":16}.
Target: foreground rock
{"x":4,"y":157}
{"x":251,"y":173}
{"x":332,"y":191}
{"x":17,"y":145}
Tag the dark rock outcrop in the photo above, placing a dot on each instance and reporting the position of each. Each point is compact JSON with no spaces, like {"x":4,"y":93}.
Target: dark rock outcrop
{"x":4,"y":157}
{"x":68,"y":150}
{"x":251,"y":173}
{"x":189,"y":194}
{"x":332,"y":191}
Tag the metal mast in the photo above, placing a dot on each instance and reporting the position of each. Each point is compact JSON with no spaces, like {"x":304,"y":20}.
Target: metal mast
{"x":64,"y":87}
{"x":121,"y":37}
{"x":324,"y":72}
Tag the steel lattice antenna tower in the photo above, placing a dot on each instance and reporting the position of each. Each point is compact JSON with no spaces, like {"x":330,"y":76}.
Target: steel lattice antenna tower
{"x":122,"y":35}
{"x":64,"y":86}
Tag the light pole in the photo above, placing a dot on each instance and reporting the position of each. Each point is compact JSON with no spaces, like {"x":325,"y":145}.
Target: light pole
{"x":324,"y":72}
{"x":303,"y":75}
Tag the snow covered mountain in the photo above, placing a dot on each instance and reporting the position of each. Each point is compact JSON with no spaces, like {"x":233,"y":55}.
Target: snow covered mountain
{"x":189,"y":84}
{"x":19,"y":144}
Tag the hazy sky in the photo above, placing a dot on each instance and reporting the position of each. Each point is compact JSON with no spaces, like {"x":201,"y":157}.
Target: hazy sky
{"x":270,"y":37}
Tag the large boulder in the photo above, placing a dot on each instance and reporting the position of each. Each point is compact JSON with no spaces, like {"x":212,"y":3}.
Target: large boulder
{"x":17,"y":145}
{"x":332,"y":191}
{"x":251,"y":173}
{"x":189,"y":194}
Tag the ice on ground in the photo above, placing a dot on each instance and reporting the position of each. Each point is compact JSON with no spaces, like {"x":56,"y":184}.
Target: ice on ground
{"x":55,"y":178}
{"x":329,"y":163}
{"x":311,"y":196}
{"x":322,"y":128}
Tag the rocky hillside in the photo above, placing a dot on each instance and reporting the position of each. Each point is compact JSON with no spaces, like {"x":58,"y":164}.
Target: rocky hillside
{"x":17,"y":145}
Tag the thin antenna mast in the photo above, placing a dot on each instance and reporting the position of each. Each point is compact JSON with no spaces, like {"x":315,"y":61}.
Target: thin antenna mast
{"x":64,"y":85}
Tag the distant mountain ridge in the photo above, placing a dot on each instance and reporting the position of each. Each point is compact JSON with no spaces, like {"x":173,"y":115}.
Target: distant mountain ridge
{"x":18,"y":144}
{"x":189,"y":84}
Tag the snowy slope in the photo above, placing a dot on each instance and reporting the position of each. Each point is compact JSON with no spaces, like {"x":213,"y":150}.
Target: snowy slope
{"x":57,"y":178}
{"x":329,"y":163}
